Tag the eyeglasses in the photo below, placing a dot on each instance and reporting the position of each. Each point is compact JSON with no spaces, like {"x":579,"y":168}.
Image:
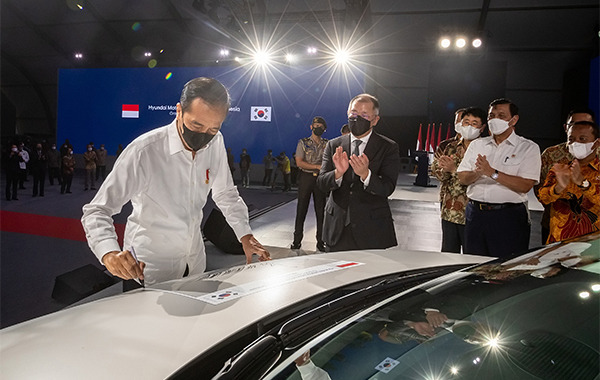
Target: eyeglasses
{"x":364,"y":116}
{"x":473,"y":124}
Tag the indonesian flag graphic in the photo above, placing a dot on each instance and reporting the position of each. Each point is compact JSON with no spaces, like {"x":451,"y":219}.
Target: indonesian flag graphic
{"x":260,"y":113}
{"x":131,"y":111}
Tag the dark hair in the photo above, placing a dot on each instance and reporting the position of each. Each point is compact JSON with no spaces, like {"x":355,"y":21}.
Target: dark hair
{"x":209,"y":90}
{"x":477,"y":112}
{"x":593,"y":125}
{"x":514,"y":110}
{"x":367,"y":98}
{"x":460,"y":110}
{"x":581,"y":110}
{"x":319,"y":119}
{"x":345,"y":129}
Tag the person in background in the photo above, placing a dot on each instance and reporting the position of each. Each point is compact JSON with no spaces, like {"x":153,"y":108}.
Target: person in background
{"x":231,"y":163}
{"x":23,"y":165}
{"x":572,"y":190}
{"x":89,"y":158}
{"x":294,"y":168}
{"x":284,"y":164}
{"x":453,"y":194}
{"x":499,"y":171}
{"x":38,"y":167}
{"x":344,"y":130}
{"x":167,"y":174}
{"x":67,"y":169}
{"x":309,"y":156}
{"x":101,"y":162}
{"x":269,"y":162}
{"x":12,"y":173}
{"x":559,"y":154}
{"x":245,"y":162}
{"x":54,"y":161}
{"x":119,"y":150}
{"x":357,"y":213}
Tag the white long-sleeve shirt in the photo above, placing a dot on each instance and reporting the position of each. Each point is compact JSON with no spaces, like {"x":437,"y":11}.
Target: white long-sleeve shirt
{"x":168,"y":189}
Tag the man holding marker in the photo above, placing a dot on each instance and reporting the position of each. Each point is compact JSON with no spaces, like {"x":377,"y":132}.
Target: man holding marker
{"x":167,"y":175}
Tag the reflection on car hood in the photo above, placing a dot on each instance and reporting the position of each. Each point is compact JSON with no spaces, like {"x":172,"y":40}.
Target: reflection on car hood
{"x":151,"y":333}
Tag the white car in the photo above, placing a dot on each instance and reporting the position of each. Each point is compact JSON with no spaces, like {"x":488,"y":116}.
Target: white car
{"x":345,"y":315}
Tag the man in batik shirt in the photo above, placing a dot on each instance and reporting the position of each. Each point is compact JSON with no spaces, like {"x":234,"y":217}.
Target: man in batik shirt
{"x":558,"y":154}
{"x":572,"y":190}
{"x":453,"y":195}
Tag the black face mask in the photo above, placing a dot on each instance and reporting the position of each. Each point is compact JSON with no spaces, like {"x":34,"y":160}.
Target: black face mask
{"x":318,"y":131}
{"x":195,"y":140}
{"x":358,"y":125}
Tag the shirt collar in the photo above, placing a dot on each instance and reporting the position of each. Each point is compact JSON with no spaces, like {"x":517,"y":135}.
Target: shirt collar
{"x":364,"y":139}
{"x":512,"y":139}
{"x":175,"y":143}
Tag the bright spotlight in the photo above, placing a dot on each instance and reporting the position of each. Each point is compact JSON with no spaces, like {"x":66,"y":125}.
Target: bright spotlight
{"x":311,"y":50}
{"x":596,"y":287}
{"x":460,"y":43}
{"x":341,"y":57}
{"x":224,"y":52}
{"x":147,"y":54}
{"x":289,"y":58}
{"x":454,"y":370}
{"x":584,"y":295}
{"x":237,"y":59}
{"x":78,"y":56}
{"x":262,"y":57}
{"x":445,"y":43}
{"x":476,"y":43}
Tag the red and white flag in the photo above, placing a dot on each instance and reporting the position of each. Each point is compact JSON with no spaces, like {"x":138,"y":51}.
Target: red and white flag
{"x":130,"y":111}
{"x":260,"y":113}
{"x":439,"y":140}
{"x":448,"y":134}
{"x":426,"y":147}
{"x":431,"y":146}
{"x":420,"y":139}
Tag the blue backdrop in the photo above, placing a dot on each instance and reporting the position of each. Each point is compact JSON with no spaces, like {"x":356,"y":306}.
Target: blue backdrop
{"x":90,"y":103}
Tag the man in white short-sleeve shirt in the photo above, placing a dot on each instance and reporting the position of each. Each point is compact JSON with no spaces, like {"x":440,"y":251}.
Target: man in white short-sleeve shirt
{"x":499,"y":171}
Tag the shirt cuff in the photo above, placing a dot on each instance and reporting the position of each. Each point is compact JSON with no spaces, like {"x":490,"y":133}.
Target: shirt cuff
{"x":367,"y":180}
{"x":106,"y":246}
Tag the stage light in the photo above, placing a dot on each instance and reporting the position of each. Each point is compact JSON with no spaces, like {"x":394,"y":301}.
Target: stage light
{"x":237,"y":59}
{"x":461,"y":43}
{"x":224,"y":52}
{"x":311,"y":50}
{"x":476,"y":43}
{"x":78,"y":56}
{"x":147,"y":54}
{"x":290,"y":58}
{"x":445,"y":43}
{"x":262,"y":57}
{"x":341,"y":57}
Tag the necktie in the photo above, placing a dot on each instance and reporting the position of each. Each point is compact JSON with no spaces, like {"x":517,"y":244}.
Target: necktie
{"x":356,"y":145}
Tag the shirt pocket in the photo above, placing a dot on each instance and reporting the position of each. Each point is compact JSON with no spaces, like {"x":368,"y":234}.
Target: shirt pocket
{"x":511,"y":164}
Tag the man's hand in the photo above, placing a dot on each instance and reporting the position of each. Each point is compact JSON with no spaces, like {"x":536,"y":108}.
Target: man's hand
{"x":251,"y":246}
{"x":360,"y":165}
{"x":123,"y":265}
{"x":563,"y":177}
{"x":340,"y":160}
{"x":576,"y":175}
{"x":422,"y":328}
{"x":435,"y":318}
{"x":483,"y":166}
{"x":447,"y":164}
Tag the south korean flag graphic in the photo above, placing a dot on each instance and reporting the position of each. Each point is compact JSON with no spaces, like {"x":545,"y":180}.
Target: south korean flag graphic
{"x":260,"y":113}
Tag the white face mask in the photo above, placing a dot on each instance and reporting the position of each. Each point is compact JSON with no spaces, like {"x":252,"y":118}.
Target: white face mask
{"x":15,"y":150}
{"x":497,"y":126}
{"x":469,"y":132}
{"x":580,"y":150}
{"x":458,"y":127}
{"x":89,"y":149}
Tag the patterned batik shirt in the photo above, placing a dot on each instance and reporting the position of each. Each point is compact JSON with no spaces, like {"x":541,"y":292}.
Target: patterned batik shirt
{"x":575,"y":211}
{"x":453,"y":195}
{"x":311,"y":152}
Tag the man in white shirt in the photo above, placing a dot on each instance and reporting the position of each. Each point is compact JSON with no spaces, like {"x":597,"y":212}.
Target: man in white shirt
{"x":167,"y":175}
{"x":499,"y":171}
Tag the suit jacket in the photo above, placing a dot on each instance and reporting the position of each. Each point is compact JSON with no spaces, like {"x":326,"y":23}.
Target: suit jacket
{"x":369,"y":212}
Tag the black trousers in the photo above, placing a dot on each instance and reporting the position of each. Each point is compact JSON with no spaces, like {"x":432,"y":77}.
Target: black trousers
{"x":39,"y":178}
{"x":453,"y":236}
{"x":500,"y":233}
{"x":307,"y":187}
{"x":267,"y":177}
{"x":12,"y":183}
{"x":66,"y":183}
{"x":346,"y":242}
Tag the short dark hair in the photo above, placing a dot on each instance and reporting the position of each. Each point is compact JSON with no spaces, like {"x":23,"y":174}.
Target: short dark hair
{"x":209,"y":90}
{"x":460,"y":110}
{"x":367,"y":98}
{"x":475,"y":111}
{"x":514,"y":110}
{"x":593,"y":125}
{"x":581,"y":110}
{"x":319,"y":119}
{"x":345,"y":129}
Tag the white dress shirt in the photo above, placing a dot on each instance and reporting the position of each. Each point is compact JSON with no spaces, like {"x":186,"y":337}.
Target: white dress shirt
{"x":515,"y":156}
{"x":168,"y":189}
{"x":361,"y":150}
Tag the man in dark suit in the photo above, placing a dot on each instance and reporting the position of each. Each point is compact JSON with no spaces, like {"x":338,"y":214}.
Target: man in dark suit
{"x":360,"y":170}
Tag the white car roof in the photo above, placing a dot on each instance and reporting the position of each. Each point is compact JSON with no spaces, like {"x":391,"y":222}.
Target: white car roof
{"x":151,"y":333}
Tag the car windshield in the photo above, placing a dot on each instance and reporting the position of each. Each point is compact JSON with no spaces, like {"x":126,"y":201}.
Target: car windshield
{"x":529,"y":318}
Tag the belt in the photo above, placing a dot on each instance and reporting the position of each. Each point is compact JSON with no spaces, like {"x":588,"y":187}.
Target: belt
{"x":482,"y":206}
{"x":314,"y":174}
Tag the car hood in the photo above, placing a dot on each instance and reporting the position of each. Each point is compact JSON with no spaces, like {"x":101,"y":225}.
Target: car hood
{"x":150,"y":333}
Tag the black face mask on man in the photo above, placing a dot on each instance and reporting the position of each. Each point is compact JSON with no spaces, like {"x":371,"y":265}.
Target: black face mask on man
{"x":358,"y":125}
{"x":195,"y":140}
{"x":318,"y":131}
